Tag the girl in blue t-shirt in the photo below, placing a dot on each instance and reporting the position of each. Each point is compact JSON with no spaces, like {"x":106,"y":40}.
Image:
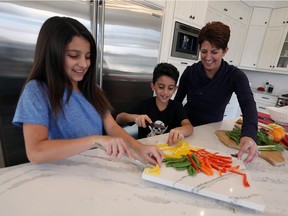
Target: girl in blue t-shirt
{"x":62,"y":111}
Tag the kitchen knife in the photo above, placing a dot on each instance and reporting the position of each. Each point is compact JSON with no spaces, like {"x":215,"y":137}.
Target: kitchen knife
{"x":127,"y":159}
{"x":154,"y":125}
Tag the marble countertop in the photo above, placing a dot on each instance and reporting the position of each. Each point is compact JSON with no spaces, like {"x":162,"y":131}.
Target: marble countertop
{"x":92,"y":184}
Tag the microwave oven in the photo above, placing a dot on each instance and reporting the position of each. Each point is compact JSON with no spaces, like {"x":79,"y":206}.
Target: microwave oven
{"x":185,"y":42}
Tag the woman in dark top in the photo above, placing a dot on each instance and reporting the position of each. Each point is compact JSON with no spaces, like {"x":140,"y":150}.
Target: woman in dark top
{"x":210,"y":83}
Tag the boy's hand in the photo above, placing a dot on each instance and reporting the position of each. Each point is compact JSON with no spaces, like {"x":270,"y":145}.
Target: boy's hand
{"x":140,"y":120}
{"x":174,"y":135}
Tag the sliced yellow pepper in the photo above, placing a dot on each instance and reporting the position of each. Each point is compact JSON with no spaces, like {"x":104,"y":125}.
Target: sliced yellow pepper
{"x":153,"y":171}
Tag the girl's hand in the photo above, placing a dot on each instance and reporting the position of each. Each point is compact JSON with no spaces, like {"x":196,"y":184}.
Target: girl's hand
{"x":174,"y":135}
{"x":150,"y":153}
{"x":248,"y":145}
{"x":114,"y":146}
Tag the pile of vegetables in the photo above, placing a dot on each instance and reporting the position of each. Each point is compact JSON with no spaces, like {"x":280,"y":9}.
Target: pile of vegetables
{"x":196,"y":160}
{"x":265,"y":141}
{"x":278,"y":133}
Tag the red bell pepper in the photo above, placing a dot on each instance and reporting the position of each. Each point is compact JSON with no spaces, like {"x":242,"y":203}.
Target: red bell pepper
{"x":285,"y":140}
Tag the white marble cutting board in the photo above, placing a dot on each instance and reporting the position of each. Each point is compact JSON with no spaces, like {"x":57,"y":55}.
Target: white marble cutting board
{"x":228,"y":187}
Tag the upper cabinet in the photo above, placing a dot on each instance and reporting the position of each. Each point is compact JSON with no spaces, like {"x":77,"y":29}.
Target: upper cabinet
{"x":279,"y":18}
{"x":191,"y":12}
{"x":236,"y":21}
{"x":274,"y":53}
{"x":234,"y":9}
{"x":255,"y":36}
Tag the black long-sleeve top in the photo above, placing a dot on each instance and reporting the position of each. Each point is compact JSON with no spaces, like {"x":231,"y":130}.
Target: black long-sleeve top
{"x":207,"y":98}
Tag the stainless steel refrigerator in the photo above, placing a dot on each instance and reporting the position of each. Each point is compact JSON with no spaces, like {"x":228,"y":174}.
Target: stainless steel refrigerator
{"x":127,"y":34}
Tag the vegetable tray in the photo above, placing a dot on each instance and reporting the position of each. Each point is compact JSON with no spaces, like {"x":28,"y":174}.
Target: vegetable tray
{"x":227,"y":187}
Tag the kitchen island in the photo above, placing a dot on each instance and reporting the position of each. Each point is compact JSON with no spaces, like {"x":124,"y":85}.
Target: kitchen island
{"x":90,"y":183}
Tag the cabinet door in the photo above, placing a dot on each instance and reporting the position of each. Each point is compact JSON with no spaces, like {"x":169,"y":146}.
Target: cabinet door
{"x":260,"y":17}
{"x":253,"y":46}
{"x":282,"y":56}
{"x":270,"y":48}
{"x":278,"y":17}
{"x":236,"y":41}
{"x":235,"y":10}
{"x":180,"y":65}
{"x":237,"y":36}
{"x":192,"y":12}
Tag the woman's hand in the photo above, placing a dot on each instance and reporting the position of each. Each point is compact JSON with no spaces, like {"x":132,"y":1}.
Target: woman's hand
{"x":248,"y":145}
{"x":174,"y":135}
{"x":150,"y":153}
{"x":114,"y":146}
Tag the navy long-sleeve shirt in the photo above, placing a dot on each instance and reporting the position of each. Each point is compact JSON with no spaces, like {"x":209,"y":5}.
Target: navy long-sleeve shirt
{"x":207,"y":98}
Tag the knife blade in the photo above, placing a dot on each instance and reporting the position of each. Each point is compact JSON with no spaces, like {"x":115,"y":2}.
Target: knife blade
{"x":127,"y":159}
{"x":154,"y":125}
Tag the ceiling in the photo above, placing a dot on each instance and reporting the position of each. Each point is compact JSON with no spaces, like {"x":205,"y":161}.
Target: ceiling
{"x":265,"y":3}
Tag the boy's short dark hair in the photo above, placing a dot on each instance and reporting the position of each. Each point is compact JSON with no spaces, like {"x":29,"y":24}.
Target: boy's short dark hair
{"x":167,"y":70}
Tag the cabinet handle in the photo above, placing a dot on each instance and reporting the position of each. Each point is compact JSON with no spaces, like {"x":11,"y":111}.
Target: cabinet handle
{"x":265,"y":98}
{"x":184,"y":63}
{"x":284,"y":22}
{"x":254,"y":64}
{"x":225,"y":9}
{"x":192,"y":17}
{"x":265,"y":23}
{"x":262,"y":107}
{"x":241,"y":18}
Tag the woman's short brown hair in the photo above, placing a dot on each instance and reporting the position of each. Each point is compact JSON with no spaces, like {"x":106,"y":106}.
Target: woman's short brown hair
{"x":216,"y":33}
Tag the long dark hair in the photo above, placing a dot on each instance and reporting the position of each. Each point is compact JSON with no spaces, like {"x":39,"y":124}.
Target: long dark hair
{"x":48,"y":67}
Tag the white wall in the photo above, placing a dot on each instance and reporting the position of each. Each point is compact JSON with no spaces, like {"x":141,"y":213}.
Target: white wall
{"x":257,"y":79}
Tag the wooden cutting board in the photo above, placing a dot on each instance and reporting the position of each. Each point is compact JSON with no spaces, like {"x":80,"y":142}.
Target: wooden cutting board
{"x":273,"y":157}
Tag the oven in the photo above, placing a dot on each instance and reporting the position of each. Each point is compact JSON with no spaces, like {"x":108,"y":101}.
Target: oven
{"x":282,"y":101}
{"x":185,"y":42}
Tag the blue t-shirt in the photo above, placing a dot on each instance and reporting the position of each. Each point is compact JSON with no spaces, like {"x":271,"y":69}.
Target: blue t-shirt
{"x":78,"y":119}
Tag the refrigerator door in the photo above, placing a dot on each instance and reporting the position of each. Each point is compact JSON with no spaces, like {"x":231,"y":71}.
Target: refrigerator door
{"x":20,"y":22}
{"x":131,"y":31}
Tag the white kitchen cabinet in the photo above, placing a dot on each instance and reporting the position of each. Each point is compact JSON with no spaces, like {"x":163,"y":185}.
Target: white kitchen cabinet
{"x":279,"y":17}
{"x":264,"y":100}
{"x":181,"y":64}
{"x":167,"y":32}
{"x":260,"y":17}
{"x":274,"y":53}
{"x":255,"y":37}
{"x":233,"y":9}
{"x":191,"y":12}
{"x":237,"y":35}
{"x":252,"y":47}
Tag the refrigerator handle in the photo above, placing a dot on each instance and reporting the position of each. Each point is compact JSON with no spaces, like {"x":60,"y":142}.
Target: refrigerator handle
{"x":93,"y":17}
{"x":97,"y":28}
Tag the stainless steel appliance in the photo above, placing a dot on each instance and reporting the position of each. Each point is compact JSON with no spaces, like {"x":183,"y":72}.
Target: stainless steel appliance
{"x":185,"y":42}
{"x":282,"y":101}
{"x":128,"y":50}
{"x":128,"y":38}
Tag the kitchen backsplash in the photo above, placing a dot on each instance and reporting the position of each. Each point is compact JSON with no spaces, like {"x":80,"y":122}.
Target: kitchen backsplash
{"x":257,"y":79}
